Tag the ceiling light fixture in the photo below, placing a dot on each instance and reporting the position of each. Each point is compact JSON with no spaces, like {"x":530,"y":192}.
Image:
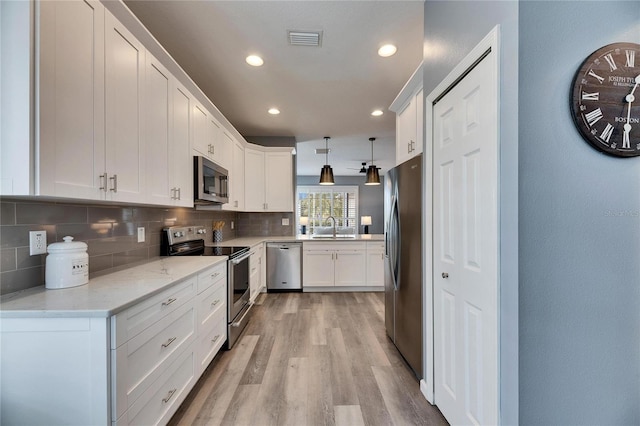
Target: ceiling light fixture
{"x":373,"y":177}
{"x":377,"y":113}
{"x":387,"y":50}
{"x":254,"y":60}
{"x":274,"y":111}
{"x":326,"y":174}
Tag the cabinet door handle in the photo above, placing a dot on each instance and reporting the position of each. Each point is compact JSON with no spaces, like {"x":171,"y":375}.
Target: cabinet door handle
{"x":413,"y":145}
{"x":179,"y":193}
{"x":215,"y":275}
{"x":408,"y":147}
{"x":114,"y":188}
{"x":215,"y":339}
{"x":445,"y":275}
{"x":169,"y":395}
{"x":103,"y":178}
{"x":169,"y":301}
{"x":215,"y":302}
{"x":168,"y":342}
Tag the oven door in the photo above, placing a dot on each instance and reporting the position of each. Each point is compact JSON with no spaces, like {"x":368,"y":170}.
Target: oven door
{"x":238,"y":285}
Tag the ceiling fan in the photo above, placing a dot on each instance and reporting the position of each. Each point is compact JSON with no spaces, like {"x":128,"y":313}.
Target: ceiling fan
{"x":363,"y":169}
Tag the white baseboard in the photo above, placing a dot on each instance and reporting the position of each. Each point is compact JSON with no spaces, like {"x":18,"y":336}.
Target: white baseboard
{"x":339,"y":289}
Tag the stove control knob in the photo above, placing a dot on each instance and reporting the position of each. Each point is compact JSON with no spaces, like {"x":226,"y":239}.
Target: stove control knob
{"x":178,"y":234}
{"x":202,"y":231}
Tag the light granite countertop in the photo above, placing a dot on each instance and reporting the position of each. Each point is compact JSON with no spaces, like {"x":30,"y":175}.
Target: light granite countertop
{"x":252,"y":241}
{"x":105,"y":295}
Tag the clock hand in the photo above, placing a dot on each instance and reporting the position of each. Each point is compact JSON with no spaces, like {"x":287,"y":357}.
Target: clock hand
{"x":627,"y":126}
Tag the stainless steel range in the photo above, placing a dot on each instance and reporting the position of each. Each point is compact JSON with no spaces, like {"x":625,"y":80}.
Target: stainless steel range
{"x":189,"y":241}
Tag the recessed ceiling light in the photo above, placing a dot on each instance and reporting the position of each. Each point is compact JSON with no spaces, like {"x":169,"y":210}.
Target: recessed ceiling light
{"x":274,"y":111}
{"x":387,"y":50}
{"x":254,"y":60}
{"x":377,"y":113}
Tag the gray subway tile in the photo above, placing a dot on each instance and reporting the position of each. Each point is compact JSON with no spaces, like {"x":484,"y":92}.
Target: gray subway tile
{"x":21,"y":279}
{"x":101,"y":214}
{"x":7,"y":213}
{"x":7,"y":260}
{"x":100,"y":263}
{"x":131,"y":256}
{"x":25,"y":260}
{"x":110,"y":245}
{"x":47,"y":214}
{"x":18,"y":235}
{"x":84,"y":231}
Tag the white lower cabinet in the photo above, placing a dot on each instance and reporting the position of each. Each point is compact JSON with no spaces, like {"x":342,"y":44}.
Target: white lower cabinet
{"x":133,"y":368}
{"x":343,"y":266}
{"x":375,"y":264}
{"x":256,"y":261}
{"x":333,"y":265}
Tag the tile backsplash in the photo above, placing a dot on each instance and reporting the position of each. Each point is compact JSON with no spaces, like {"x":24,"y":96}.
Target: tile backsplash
{"x":265,"y":224}
{"x":109,"y":231}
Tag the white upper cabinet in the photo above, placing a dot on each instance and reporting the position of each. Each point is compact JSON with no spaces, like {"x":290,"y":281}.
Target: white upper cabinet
{"x":157,"y":113}
{"x":180,"y":158}
{"x":278,"y":178}
{"x":71,"y":82}
{"x":268,"y":179}
{"x":254,"y":179}
{"x":236,"y":178}
{"x":409,"y":107}
{"x":124,"y":79}
{"x":209,"y":137}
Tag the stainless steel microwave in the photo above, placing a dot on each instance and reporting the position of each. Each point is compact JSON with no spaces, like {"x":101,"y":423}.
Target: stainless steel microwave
{"x":211,"y":182}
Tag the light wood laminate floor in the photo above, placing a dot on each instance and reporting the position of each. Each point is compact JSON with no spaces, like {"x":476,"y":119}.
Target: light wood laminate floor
{"x":310,"y":359}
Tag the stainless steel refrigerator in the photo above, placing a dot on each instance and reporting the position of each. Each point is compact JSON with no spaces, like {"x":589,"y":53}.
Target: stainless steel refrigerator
{"x":403,"y":260}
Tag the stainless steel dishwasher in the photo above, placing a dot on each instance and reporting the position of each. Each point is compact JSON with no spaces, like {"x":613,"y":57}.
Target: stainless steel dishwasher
{"x":284,"y":266}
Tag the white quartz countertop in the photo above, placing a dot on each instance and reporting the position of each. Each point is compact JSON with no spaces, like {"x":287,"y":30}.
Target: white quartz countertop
{"x":108,"y":294}
{"x":252,"y":241}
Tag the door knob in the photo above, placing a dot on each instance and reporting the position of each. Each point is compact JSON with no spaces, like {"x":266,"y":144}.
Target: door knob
{"x":445,"y":275}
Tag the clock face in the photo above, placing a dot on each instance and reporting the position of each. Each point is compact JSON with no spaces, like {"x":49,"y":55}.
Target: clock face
{"x":606,"y":99}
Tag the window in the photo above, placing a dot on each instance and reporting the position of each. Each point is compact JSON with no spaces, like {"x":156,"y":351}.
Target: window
{"x":319,"y":202}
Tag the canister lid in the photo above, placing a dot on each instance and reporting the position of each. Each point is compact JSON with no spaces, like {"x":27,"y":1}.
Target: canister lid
{"x":68,"y":246}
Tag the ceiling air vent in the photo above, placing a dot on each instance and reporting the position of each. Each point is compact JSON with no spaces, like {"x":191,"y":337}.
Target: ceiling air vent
{"x":305,"y":38}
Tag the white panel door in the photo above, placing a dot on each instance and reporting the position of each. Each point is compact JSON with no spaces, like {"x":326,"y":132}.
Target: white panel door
{"x":71,"y":136}
{"x":317,"y":268}
{"x":124,"y":94}
{"x":465,"y":249}
{"x":157,"y":109}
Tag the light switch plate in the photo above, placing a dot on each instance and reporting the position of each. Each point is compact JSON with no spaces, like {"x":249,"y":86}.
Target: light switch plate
{"x":37,"y":242}
{"x":232,"y":225}
{"x":141,"y":234}
{"x":285,"y":221}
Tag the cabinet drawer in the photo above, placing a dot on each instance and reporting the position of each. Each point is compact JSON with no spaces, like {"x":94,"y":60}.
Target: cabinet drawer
{"x":161,"y":400}
{"x":376,"y":246}
{"x":134,"y":320}
{"x":210,"y":302}
{"x":212,"y":339}
{"x":212,"y":276}
{"x":142,"y":359}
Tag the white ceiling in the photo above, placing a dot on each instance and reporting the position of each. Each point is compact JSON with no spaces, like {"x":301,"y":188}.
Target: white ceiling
{"x":320,"y":91}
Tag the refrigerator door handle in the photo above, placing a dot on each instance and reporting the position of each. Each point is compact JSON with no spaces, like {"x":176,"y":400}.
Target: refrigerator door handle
{"x":394,"y":226}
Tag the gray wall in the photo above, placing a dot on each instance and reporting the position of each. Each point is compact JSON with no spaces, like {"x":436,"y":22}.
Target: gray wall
{"x":370,"y":198}
{"x":579,"y":230}
{"x":452,"y":30}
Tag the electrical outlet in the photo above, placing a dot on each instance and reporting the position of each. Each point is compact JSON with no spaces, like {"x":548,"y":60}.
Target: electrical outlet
{"x":141,"y":234}
{"x":285,"y":221}
{"x":37,"y":242}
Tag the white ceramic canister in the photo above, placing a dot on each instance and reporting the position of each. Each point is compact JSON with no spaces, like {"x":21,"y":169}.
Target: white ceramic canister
{"x":67,"y":264}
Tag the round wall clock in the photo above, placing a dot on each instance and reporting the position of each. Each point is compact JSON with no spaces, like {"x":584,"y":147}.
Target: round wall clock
{"x":605,"y":99}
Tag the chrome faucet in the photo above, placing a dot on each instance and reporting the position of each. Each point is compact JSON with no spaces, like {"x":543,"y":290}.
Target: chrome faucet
{"x":334,"y":225}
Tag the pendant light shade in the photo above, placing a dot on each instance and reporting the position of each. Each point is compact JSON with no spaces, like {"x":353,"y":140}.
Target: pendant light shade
{"x":326,"y":174}
{"x":373,"y":177}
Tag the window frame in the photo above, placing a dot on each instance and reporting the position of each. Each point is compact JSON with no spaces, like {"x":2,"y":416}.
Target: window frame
{"x":344,"y":189}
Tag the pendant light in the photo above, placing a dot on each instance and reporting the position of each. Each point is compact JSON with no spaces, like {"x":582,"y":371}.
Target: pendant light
{"x":373,"y":178}
{"x":326,"y":174}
